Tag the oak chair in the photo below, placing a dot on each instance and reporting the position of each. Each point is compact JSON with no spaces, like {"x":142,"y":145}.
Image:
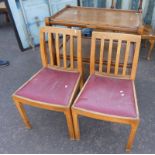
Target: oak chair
{"x":109,"y":93}
{"x":54,"y":86}
{"x":149,"y":34}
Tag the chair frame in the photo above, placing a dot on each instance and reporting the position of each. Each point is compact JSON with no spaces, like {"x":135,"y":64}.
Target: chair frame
{"x":133,"y":122}
{"x":3,"y":10}
{"x":20,"y":101}
{"x":149,"y":35}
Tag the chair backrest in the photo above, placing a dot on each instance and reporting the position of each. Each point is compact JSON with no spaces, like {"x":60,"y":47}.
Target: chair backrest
{"x":52,"y":39}
{"x":113,"y":67}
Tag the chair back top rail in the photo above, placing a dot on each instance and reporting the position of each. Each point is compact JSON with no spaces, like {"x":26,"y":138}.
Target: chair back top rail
{"x":113,"y":56}
{"x":50,"y":39}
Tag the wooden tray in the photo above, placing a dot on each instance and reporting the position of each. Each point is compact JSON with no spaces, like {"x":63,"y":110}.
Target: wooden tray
{"x":105,"y":19}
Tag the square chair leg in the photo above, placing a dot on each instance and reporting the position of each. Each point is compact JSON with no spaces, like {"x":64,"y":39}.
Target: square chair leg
{"x":76,"y":125}
{"x":70,"y":124}
{"x":131,"y":138}
{"x":23,"y":114}
{"x":152,"y":42}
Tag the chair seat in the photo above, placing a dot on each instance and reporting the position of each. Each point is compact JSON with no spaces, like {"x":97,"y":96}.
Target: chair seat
{"x":50,"y":86}
{"x":108,"y":96}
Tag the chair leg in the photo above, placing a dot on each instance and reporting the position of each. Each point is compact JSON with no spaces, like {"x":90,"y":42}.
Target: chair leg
{"x":76,"y":125}
{"x":70,"y":124}
{"x":82,"y":78}
{"x":7,"y":17}
{"x":23,"y":114}
{"x":145,"y":43}
{"x":131,"y":138}
{"x":81,"y":83}
{"x":150,"y":49}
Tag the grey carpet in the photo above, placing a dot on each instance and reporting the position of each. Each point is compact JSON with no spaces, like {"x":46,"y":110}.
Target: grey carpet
{"x":49,"y":133}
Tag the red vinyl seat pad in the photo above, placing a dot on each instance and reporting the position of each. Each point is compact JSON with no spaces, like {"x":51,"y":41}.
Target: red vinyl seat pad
{"x":109,"y":96}
{"x":50,"y":86}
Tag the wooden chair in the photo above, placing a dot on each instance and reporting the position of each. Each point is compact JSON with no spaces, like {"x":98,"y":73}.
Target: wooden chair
{"x":109,"y":93}
{"x":53,"y":87}
{"x":3,"y":10}
{"x":149,"y":35}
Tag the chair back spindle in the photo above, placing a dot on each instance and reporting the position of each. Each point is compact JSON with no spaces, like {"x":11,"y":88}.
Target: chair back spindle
{"x":117,"y":59}
{"x":50,"y":48}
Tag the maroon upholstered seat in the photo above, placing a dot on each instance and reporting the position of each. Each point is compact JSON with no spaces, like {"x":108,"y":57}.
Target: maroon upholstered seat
{"x":109,"y":96}
{"x":50,"y":86}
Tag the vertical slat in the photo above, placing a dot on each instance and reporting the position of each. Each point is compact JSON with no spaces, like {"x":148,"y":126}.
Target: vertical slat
{"x":101,"y":56}
{"x":64,"y":51}
{"x":126,"y":58}
{"x":119,"y":38}
{"x":79,"y":52}
{"x":71,"y":52}
{"x":43,"y":49}
{"x":109,"y":56}
{"x":135,"y":60}
{"x":57,"y":49}
{"x":50,"y":46}
{"x":118,"y":56}
{"x":92,"y":55}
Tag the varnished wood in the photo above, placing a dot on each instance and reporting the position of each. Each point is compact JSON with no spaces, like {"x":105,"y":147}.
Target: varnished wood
{"x":134,"y":126}
{"x":79,"y":61}
{"x":64,"y":51}
{"x":23,"y":114}
{"x":70,"y":123}
{"x":48,"y":62}
{"x":66,"y":32}
{"x":118,"y":56}
{"x":72,"y":52}
{"x":109,"y":56}
{"x":76,"y":125}
{"x":98,"y":19}
{"x":57,"y":49}
{"x":50,"y":45}
{"x":119,"y":38}
{"x":101,"y":56}
{"x":87,"y":61}
{"x":105,"y":19}
{"x":4,"y":11}
{"x":43,"y":51}
{"x":149,"y":34}
{"x":132,"y":121}
{"x":152,"y":43}
{"x":135,"y":60}
{"x":92,"y":55}
{"x":126,"y":57}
